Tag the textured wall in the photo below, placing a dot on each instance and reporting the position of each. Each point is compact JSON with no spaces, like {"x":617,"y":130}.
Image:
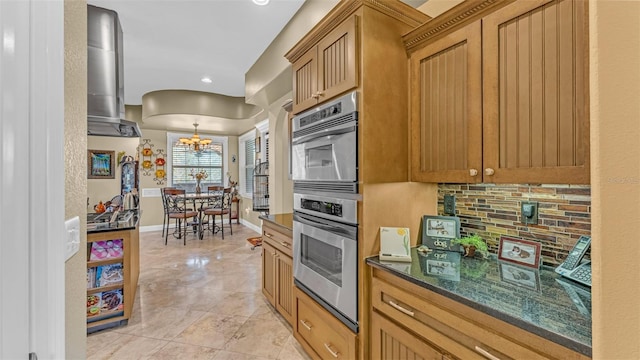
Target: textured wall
{"x":490,"y":210}
{"x":75,"y":148}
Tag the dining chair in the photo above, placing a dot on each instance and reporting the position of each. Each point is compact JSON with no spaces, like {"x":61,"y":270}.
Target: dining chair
{"x":176,"y":207}
{"x":219,"y":206}
{"x":165,"y":219}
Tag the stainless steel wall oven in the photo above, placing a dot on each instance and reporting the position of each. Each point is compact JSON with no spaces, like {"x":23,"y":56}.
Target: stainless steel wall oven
{"x":325,"y":147}
{"x":325,"y":253}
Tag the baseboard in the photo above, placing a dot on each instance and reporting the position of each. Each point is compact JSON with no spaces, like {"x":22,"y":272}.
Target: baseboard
{"x":250,"y":225}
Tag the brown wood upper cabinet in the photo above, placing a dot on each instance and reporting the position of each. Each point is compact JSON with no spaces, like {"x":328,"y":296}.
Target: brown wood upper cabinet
{"x":328,"y":69}
{"x":502,"y":97}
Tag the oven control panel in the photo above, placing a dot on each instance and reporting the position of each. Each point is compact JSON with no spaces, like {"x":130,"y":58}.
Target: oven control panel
{"x":324,"y":207}
{"x":327,"y":207}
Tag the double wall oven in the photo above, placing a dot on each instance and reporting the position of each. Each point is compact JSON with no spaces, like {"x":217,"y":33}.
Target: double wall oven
{"x":325,"y":222}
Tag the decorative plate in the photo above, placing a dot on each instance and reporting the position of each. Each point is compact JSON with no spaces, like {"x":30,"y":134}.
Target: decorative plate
{"x":159,"y":161}
{"x":146,"y":164}
{"x":147,"y":152}
{"x":160,"y":174}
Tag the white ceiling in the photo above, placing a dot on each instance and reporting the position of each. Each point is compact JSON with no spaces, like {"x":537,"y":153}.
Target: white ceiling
{"x":172,"y":44}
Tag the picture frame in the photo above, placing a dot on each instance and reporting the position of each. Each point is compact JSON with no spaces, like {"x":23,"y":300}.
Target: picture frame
{"x":438,"y":232}
{"x":519,"y":251}
{"x":520,"y":275}
{"x":100,"y":164}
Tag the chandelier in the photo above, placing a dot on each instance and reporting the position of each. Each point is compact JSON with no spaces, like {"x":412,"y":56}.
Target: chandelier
{"x":195,"y":143}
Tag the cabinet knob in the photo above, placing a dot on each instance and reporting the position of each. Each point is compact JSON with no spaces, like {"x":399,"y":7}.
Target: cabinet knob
{"x":489,"y":171}
{"x":473,"y":172}
{"x":315,"y":96}
{"x":319,"y":93}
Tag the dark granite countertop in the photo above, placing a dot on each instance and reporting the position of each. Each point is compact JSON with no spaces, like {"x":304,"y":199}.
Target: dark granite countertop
{"x":538,"y":301}
{"x":127,"y":220}
{"x":284,"y":221}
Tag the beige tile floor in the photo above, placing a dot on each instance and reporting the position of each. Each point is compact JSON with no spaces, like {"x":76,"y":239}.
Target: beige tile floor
{"x":199,"y":301}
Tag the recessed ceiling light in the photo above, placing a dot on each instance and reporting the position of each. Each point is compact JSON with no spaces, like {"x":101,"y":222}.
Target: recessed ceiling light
{"x":261,"y":2}
{"x":206,"y":80}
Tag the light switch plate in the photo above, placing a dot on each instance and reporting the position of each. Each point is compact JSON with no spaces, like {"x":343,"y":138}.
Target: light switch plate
{"x":72,"y":237}
{"x":449,"y":204}
{"x":529,"y":211}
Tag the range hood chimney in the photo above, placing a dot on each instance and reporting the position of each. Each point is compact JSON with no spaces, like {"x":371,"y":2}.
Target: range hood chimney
{"x":105,"y":78}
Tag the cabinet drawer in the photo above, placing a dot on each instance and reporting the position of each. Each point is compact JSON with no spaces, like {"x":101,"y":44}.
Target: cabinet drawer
{"x":460,"y":336}
{"x":277,"y":239}
{"x":325,"y":334}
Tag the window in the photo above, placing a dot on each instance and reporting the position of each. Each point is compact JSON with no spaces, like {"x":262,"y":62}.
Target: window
{"x":182,"y":163}
{"x":247,"y":146}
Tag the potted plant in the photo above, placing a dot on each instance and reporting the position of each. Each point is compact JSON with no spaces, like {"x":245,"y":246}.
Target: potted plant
{"x":473,"y":244}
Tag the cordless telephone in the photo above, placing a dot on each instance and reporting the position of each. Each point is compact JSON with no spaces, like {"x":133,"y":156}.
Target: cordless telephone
{"x":575,"y":269}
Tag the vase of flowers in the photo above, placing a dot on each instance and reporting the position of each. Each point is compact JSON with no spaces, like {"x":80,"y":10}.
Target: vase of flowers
{"x":199,"y":176}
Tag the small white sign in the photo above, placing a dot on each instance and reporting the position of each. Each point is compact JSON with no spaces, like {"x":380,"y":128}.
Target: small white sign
{"x":395,"y":244}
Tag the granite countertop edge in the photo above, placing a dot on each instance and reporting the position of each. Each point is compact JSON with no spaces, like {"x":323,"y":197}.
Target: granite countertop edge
{"x":274,"y":219}
{"x":546,"y":334}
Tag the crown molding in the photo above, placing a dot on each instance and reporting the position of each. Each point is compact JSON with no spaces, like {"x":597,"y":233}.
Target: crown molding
{"x":460,"y":15}
{"x":395,"y":9}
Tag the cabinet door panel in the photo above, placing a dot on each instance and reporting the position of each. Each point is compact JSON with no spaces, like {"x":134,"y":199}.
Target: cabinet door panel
{"x":390,"y":341}
{"x":446,"y":105}
{"x":304,"y":81}
{"x":268,"y":272}
{"x":284,"y":295}
{"x":337,"y":63}
{"x":535,"y":93}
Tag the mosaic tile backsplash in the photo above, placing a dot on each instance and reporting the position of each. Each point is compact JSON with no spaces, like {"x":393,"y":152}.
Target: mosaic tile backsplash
{"x":491,"y":210}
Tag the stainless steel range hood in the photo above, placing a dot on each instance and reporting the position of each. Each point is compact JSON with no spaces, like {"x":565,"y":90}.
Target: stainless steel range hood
{"x":105,"y":78}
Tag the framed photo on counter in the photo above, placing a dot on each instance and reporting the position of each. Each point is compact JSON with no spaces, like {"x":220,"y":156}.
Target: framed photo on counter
{"x":519,"y":251}
{"x":439,"y":231}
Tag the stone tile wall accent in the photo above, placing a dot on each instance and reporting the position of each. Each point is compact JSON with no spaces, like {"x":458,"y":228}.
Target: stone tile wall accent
{"x":491,"y":210}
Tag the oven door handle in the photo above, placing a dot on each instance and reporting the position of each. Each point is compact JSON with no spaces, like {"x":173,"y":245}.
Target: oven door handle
{"x":306,"y":138}
{"x":339,"y":229}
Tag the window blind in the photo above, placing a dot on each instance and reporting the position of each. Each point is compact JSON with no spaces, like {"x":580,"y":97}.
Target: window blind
{"x":250,"y":156}
{"x":185,"y":162}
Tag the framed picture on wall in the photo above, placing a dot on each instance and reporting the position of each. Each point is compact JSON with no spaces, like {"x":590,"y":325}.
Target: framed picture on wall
{"x":100,"y":164}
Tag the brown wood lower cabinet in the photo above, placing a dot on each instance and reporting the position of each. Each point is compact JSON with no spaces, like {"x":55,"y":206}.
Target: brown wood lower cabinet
{"x":277,"y":270}
{"x":320,"y":333}
{"x":407,"y":319}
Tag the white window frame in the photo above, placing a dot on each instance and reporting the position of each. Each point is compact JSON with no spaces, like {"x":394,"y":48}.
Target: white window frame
{"x":173,"y":137}
{"x":263,"y":129}
{"x":250,"y":135}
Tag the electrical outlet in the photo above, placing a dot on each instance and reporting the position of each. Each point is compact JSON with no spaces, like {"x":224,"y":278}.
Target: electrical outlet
{"x":449,"y":204}
{"x":529,"y":212}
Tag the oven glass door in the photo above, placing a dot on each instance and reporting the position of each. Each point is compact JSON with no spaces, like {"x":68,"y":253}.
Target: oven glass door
{"x":326,"y":157}
{"x":325,"y":260}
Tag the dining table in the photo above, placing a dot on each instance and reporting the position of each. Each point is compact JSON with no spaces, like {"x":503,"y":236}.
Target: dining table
{"x":200,"y":202}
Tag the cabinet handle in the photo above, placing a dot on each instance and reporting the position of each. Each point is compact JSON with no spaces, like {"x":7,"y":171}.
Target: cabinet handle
{"x":489,"y":171}
{"x":319,"y":93}
{"x":315,"y":96}
{"x":473,"y":172}
{"x":333,"y":353}
{"x":400,"y":308}
{"x":306,"y":325}
{"x":284,"y":244}
{"x":485,"y":353}
{"x":268,"y":235}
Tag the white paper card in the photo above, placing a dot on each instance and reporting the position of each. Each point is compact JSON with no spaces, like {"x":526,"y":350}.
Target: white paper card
{"x":394,"y":244}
